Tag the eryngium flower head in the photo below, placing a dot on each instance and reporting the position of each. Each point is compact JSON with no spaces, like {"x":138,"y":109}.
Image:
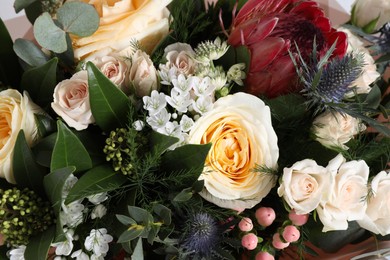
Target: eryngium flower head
{"x":270,"y":29}
{"x":202,"y":235}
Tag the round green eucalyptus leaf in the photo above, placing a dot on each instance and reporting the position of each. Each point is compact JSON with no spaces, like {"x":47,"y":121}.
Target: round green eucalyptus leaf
{"x":49,"y":35}
{"x":78,"y":18}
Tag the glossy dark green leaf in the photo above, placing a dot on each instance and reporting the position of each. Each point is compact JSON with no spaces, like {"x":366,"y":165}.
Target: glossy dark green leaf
{"x":99,"y":179}
{"x":27,"y":172}
{"x":109,"y":105}
{"x":131,"y":234}
{"x":54,"y":183}
{"x":10,"y":70}
{"x":33,"y":11}
{"x":48,"y":34}
{"x":45,"y":124}
{"x":69,"y":150}
{"x":40,"y":82}
{"x":78,"y":18}
{"x":38,"y":246}
{"x":160,"y":142}
{"x":44,"y":148}
{"x":19,"y":5}
{"x":30,"y":53}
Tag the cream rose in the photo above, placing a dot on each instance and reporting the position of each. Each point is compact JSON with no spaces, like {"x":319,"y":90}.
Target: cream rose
{"x":345,"y":200}
{"x":304,"y":185}
{"x":116,"y":69}
{"x":71,"y":101}
{"x":377,"y":217}
{"x":16,"y":113}
{"x":180,"y":56}
{"x":240,"y":130}
{"x":369,"y":10}
{"x":121,"y":22}
{"x":143,"y":74}
{"x":336,"y":129}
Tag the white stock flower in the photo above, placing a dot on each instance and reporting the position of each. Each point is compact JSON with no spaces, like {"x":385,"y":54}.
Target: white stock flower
{"x":345,"y":201}
{"x":65,"y":247}
{"x":98,"y":198}
{"x":333,"y":129}
{"x":99,"y":211}
{"x":80,"y":255}
{"x":17,"y":253}
{"x":240,"y":130}
{"x":203,"y":104}
{"x":159,"y":119}
{"x":71,"y":101}
{"x":377,"y":216}
{"x":97,"y":241}
{"x":72,"y":214}
{"x":155,"y":103}
{"x":304,"y":185}
{"x":179,"y":101}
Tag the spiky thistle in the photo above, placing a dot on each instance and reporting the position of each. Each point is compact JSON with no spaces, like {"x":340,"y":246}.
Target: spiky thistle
{"x":326,"y":82}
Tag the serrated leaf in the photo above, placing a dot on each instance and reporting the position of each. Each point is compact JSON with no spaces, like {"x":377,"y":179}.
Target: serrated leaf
{"x":109,"y":105}
{"x":68,"y":150}
{"x":54,"y":183}
{"x":374,"y":97}
{"x":129,"y":235}
{"x":40,"y":82}
{"x":160,"y":142}
{"x":10,"y":69}
{"x":19,"y":5}
{"x":27,"y":172}
{"x":49,"y":35}
{"x":38,"y":246}
{"x":163,"y":213}
{"x":28,"y":52}
{"x":125,"y":220}
{"x":78,"y":18}
{"x":102,"y":178}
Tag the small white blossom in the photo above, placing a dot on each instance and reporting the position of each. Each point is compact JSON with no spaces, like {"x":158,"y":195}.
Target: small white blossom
{"x":208,"y":51}
{"x":59,"y":258}
{"x":17,"y":253}
{"x":159,"y":119}
{"x":80,"y":255}
{"x":68,"y":185}
{"x":236,"y":73}
{"x":72,"y":214}
{"x":181,"y":84}
{"x":203,"y":105}
{"x":97,"y":257}
{"x":179,"y":101}
{"x":204,"y":88}
{"x":97,"y":241}
{"x":96,"y":199}
{"x":65,"y":247}
{"x":170,"y":129}
{"x":138,"y":125}
{"x":186,"y":123}
{"x":99,"y":211}
{"x":167,"y":75}
{"x":155,"y":103}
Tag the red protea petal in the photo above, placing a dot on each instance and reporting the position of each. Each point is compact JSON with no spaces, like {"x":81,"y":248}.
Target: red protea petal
{"x":341,"y":45}
{"x":264,"y":52}
{"x":323,"y":24}
{"x":258,"y":83}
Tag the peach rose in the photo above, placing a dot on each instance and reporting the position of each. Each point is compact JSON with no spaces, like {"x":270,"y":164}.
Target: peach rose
{"x":16,"y":113}
{"x":71,"y":101}
{"x":121,"y":22}
{"x":240,"y":130}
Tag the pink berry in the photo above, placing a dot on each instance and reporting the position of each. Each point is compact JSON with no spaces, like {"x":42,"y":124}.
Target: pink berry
{"x":297,"y":219}
{"x":264,"y":256}
{"x":291,"y":233}
{"x":245,"y":224}
{"x":249,"y":241}
{"x":278,"y":243}
{"x":265,"y":216}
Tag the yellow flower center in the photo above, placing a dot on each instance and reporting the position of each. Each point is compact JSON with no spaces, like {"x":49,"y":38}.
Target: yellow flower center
{"x":5,"y":124}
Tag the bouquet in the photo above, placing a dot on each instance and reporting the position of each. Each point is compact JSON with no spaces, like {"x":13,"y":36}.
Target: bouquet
{"x":182,"y":129}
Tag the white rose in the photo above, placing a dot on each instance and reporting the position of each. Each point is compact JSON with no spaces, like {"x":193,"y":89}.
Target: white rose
{"x":377,"y":217}
{"x":370,"y":73}
{"x":304,"y":184}
{"x":180,"y":56}
{"x":71,"y":101}
{"x":143,"y":74}
{"x":345,"y":200}
{"x":240,"y":130}
{"x":333,"y":129}
{"x":121,"y":22}
{"x":16,"y":113}
{"x":369,"y":10}
{"x":116,"y":69}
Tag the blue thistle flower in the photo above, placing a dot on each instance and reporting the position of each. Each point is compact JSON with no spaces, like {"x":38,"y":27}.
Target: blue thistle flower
{"x":203,"y":234}
{"x":383,"y":40}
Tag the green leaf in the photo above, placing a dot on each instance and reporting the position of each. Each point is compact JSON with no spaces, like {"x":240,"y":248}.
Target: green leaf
{"x":29,"y":53}
{"x":40,"y":82}
{"x":99,"y":179}
{"x":185,"y":195}
{"x":19,"y":5}
{"x":383,"y":58}
{"x":44,"y":148}
{"x":140,"y":215}
{"x":54,"y":183}
{"x":27,"y":172}
{"x":370,"y":27}
{"x":154,"y":229}
{"x":68,"y":150}
{"x":33,"y":11}
{"x":287,"y":107}
{"x":48,"y":34}
{"x":163,"y":213}
{"x":109,"y":105}
{"x":129,"y":235}
{"x":39,"y":246}
{"x":374,"y":97}
{"x":160,"y":142}
{"x":78,"y":18}
{"x":125,"y":220}
{"x":235,"y":55}
{"x":10,"y":70}
{"x":45,"y":124}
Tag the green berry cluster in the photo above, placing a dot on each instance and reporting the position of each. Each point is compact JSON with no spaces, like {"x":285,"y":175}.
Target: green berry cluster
{"x":23,"y":214}
{"x":122,"y":148}
{"x":51,"y":6}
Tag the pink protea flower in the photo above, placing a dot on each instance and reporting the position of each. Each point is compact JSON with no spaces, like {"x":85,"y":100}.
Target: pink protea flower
{"x":270,"y":28}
